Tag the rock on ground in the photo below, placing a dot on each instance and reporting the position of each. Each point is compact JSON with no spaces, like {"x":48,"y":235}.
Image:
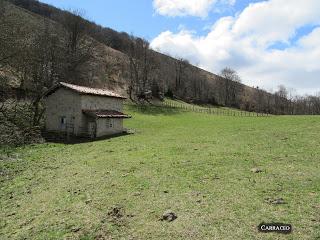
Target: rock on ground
{"x":256,"y":170}
{"x":169,"y":216}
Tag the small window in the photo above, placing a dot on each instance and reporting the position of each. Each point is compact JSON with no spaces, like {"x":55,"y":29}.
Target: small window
{"x":109,"y":123}
{"x":63,"y":120}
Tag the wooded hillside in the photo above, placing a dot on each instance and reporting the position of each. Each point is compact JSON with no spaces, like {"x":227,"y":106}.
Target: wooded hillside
{"x":126,"y":64}
{"x":79,"y":51}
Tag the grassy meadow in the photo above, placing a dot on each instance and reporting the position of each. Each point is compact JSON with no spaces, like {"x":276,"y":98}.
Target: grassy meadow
{"x":197,"y":165}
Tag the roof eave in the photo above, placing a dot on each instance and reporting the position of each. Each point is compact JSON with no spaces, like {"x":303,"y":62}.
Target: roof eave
{"x":99,"y":95}
{"x":127,"y":116}
{"x":51,"y":90}
{"x":59,"y":85}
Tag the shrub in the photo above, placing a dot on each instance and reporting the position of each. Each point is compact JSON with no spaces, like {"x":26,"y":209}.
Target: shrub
{"x":16,"y":124}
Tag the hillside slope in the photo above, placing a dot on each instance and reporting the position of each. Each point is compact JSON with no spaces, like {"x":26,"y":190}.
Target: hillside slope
{"x":113,"y":69}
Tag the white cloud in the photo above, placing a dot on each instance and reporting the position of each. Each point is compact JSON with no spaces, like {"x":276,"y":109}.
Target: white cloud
{"x":197,"y":8}
{"x":276,"y":20}
{"x":243,"y":42}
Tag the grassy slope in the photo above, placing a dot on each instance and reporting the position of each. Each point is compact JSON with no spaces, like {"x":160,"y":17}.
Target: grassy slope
{"x":217,"y":109}
{"x":54,"y":191}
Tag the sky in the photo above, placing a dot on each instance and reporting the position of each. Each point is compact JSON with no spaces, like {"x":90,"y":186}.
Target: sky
{"x":269,"y":43}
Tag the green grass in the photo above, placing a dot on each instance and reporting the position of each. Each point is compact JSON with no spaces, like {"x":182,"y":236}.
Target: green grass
{"x":221,"y":109}
{"x":197,"y":165}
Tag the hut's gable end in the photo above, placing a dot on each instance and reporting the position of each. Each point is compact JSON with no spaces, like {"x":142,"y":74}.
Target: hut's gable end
{"x":63,"y":103}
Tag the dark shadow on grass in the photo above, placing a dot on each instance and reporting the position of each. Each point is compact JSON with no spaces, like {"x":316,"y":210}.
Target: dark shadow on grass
{"x":154,"y":110}
{"x":77,"y":140}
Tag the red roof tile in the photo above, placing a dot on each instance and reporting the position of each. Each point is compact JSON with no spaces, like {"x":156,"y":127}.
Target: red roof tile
{"x":85,"y":90}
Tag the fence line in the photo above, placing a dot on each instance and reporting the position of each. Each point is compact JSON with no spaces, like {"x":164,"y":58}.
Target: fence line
{"x":207,"y":110}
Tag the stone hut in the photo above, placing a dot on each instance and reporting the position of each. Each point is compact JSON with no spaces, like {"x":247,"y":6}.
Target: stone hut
{"x":83,"y":111}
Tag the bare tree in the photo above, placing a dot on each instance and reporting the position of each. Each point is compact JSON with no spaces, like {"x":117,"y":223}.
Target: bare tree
{"x":291,"y":96}
{"x":133,"y":54}
{"x":281,"y":101}
{"x":51,"y":58}
{"x":38,"y":59}
{"x":282,"y":91}
{"x":78,"y":47}
{"x":180,"y":66}
{"x":40,"y":68}
{"x":142,"y":65}
{"x":230,"y":74}
{"x":231,"y":78}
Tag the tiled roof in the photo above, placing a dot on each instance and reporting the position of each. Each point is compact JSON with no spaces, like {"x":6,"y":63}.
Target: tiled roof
{"x":85,"y":90}
{"x":105,"y":114}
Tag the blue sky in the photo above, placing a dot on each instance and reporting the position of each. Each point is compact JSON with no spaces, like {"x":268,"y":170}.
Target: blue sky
{"x":268,"y":42}
{"x":139,"y":17}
